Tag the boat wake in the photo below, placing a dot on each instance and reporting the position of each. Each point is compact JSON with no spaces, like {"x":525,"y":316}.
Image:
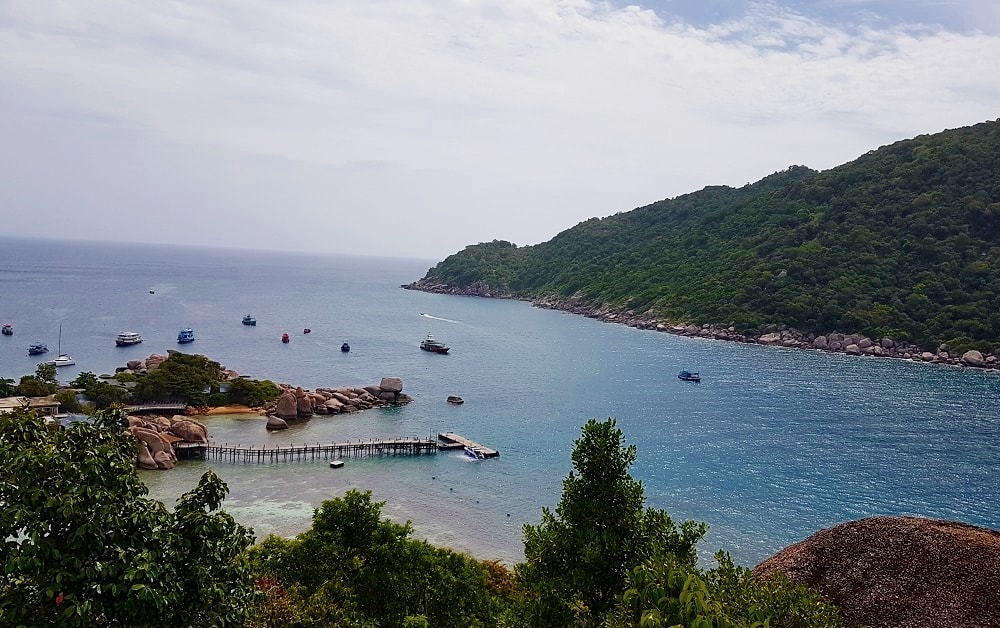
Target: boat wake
{"x":438,"y":318}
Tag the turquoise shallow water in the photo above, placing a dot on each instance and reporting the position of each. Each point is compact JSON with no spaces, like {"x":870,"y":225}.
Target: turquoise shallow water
{"x":773,"y":445}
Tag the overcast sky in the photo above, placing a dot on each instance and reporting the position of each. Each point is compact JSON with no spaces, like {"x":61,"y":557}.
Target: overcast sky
{"x":411,"y":128}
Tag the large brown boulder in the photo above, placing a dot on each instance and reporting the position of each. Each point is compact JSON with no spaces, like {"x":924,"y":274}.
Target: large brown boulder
{"x":287,"y":405}
{"x":391,"y":384}
{"x":274,"y":423}
{"x":304,"y":405}
{"x":900,"y":571}
{"x":973,"y":358}
{"x":143,"y":458}
{"x":189,"y":431}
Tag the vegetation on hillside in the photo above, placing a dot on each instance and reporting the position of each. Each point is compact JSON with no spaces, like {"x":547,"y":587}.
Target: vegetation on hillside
{"x":902,"y":242}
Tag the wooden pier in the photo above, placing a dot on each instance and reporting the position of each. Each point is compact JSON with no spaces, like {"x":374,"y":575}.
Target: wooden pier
{"x":263,"y":454}
{"x":451,"y":440}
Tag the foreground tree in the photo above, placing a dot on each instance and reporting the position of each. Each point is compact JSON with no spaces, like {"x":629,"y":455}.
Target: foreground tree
{"x":577,"y":559}
{"x":352,"y":568}
{"x":83,"y":546}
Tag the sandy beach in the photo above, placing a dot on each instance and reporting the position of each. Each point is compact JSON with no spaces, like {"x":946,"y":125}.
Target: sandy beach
{"x":235,"y":409}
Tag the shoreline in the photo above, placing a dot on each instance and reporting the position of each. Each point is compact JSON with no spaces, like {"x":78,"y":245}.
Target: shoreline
{"x":232,"y":409}
{"x":774,"y":335}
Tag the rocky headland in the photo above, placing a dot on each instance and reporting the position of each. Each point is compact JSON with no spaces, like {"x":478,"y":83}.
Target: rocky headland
{"x":296,"y":402}
{"x":773,"y":335}
{"x":159,"y":437}
{"x":889,"y":572}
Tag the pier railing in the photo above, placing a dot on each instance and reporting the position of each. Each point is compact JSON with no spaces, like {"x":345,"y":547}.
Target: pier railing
{"x":269,"y":454}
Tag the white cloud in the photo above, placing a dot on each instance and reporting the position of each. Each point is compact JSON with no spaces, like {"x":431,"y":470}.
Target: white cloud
{"x":461,"y":120}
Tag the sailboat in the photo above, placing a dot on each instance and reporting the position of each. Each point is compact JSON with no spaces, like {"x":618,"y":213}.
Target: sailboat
{"x":62,"y":359}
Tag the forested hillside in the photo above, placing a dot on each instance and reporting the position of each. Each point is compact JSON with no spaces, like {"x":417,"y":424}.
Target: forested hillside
{"x":903,"y":242}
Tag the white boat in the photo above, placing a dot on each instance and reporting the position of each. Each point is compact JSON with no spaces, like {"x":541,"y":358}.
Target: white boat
{"x":62,"y":359}
{"x":474,"y":452}
{"x":127,"y":338}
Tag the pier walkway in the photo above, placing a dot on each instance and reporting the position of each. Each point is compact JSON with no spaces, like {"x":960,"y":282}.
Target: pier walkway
{"x":452,"y":440}
{"x":177,"y":406}
{"x":270,"y":454}
{"x":261,"y":454}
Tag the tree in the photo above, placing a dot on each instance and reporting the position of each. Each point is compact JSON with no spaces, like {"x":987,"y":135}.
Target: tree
{"x":7,"y":387}
{"x":252,"y":393}
{"x":352,"y":568}
{"x":577,"y":559}
{"x":82,"y":545}
{"x":183,"y":376}
{"x":46,"y":373}
{"x":100,"y":393}
{"x":32,"y":386}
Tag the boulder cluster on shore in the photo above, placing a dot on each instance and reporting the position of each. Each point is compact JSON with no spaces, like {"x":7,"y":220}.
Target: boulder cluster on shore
{"x":297,"y":402}
{"x":155,"y":437}
{"x":774,"y":335}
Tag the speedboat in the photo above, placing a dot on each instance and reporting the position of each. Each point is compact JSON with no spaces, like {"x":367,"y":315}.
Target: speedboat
{"x":689,"y":376}
{"x":285,"y":339}
{"x":62,"y":360}
{"x":37,"y":348}
{"x":249,"y":320}
{"x":127,"y":339}
{"x":185,"y":335}
{"x":345,"y":347}
{"x":7,"y":329}
{"x":473,"y":452}
{"x":429,"y":344}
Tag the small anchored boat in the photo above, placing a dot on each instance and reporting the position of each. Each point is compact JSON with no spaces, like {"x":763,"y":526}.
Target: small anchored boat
{"x":127,"y":339}
{"x":345,"y":347}
{"x":7,"y":329}
{"x":689,"y":376}
{"x":306,"y":331}
{"x":63,"y":359}
{"x":285,"y":339}
{"x":37,"y":348}
{"x":249,"y":320}
{"x":185,"y":335}
{"x":429,"y":344}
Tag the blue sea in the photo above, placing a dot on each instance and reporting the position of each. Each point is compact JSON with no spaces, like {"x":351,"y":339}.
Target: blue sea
{"x":772,"y":446}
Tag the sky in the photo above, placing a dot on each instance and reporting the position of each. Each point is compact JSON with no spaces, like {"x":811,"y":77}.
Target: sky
{"x":413,"y":128}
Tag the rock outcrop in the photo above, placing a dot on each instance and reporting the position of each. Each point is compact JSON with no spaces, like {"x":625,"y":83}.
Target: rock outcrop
{"x":155,"y":437}
{"x":900,"y":571}
{"x":297,"y":402}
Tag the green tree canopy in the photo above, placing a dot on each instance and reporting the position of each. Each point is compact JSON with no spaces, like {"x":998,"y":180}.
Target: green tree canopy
{"x":352,"y":568}
{"x":180,"y":376}
{"x":577,"y":559}
{"x":83,"y":546}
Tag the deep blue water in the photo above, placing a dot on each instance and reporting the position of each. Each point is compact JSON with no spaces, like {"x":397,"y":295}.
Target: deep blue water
{"x":773,"y":445}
